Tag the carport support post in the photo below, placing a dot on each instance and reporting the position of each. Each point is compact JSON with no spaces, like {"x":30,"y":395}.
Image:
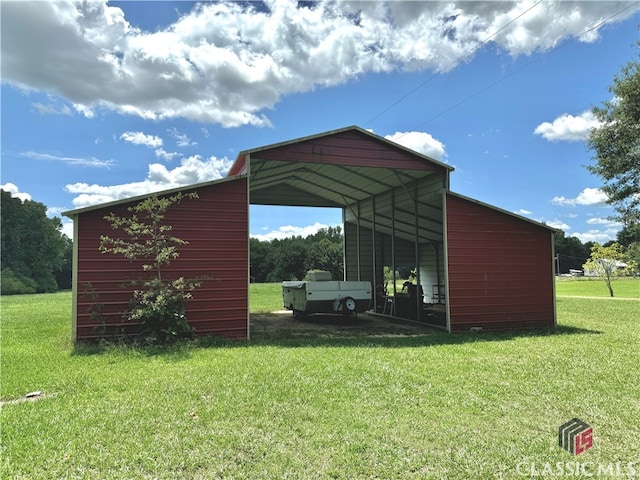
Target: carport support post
{"x":393,"y":245}
{"x":373,"y":244}
{"x":358,"y":239}
{"x":417,"y":253}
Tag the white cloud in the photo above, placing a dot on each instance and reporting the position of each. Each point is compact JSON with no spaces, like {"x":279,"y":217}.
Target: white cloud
{"x":51,"y":109}
{"x":81,"y":161}
{"x":522,"y":211}
{"x":226,"y":62}
{"x":139,"y":138}
{"x":568,"y":128}
{"x":182,"y":139}
{"x":588,"y":197}
{"x":54,"y":211}
{"x":67,"y":227}
{"x":604,"y":221}
{"x":287,"y":231}
{"x":191,"y":170}
{"x":559,"y":224}
{"x":167,"y":156}
{"x":15,"y":192}
{"x":421,"y":142}
{"x":600,"y":236}
{"x":87,"y":112}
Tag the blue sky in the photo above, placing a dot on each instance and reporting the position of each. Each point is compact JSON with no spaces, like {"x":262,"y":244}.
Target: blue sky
{"x":107,"y":100}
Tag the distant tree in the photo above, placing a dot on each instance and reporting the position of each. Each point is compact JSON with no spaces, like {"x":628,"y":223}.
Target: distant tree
{"x":64,"y":273}
{"x":291,"y":258}
{"x":33,"y":247}
{"x":629,"y":234}
{"x":325,"y":255}
{"x":261,"y":260}
{"x":158,"y":302}
{"x":288,"y":259}
{"x":632,"y":253}
{"x":571,"y":252}
{"x":616,"y":144}
{"x":607,"y":263}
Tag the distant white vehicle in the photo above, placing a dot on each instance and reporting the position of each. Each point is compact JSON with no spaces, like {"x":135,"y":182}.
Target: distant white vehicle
{"x":615,"y":264}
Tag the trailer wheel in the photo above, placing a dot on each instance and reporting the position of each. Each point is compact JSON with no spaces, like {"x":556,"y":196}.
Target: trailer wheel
{"x":349,"y":305}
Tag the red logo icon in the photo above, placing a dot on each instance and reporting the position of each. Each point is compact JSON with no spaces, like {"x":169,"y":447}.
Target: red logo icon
{"x":575,"y":436}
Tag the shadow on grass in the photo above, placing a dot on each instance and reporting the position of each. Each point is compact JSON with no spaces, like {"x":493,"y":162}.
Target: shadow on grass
{"x":176,"y":352}
{"x":386,"y":338}
{"x":398,"y":339}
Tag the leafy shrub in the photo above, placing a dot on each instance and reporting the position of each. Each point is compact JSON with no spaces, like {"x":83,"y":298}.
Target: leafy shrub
{"x":158,"y":303}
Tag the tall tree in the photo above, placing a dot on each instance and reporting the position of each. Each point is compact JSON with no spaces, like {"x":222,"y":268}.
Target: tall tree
{"x":630,"y":233}
{"x":616,"y":144}
{"x":33,"y":247}
{"x":571,"y":252}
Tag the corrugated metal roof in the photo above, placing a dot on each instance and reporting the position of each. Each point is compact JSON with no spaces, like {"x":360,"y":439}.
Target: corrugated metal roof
{"x":336,"y":169}
{"x":333,"y":135}
{"x":505,"y":212}
{"x":343,"y":168}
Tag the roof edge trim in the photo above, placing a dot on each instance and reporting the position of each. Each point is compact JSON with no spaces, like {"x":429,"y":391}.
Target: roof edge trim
{"x":501,"y":210}
{"x":342,"y":130}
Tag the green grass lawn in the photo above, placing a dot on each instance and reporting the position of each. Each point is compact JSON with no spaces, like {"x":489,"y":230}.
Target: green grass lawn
{"x":461,"y":406}
{"x":623,"y":287}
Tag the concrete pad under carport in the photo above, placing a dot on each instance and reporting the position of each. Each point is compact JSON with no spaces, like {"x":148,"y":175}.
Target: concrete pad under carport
{"x":332,"y":325}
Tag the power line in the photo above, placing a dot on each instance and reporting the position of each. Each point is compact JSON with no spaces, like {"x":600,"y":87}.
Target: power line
{"x":455,"y":62}
{"x":482,"y":90}
{"x":521,"y":68}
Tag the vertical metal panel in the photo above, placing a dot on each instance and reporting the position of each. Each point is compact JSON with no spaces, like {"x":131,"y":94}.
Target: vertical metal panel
{"x":216,"y":227}
{"x":500,"y":269}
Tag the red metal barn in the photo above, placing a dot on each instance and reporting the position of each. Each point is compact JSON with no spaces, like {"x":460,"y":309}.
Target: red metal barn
{"x":216,"y":227}
{"x":472,"y":265}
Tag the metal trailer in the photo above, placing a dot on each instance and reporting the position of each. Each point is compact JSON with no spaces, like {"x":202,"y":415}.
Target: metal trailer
{"x":322,"y":295}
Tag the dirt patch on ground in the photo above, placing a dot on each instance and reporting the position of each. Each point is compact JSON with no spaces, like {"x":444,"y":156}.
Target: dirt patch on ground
{"x":334,"y":325}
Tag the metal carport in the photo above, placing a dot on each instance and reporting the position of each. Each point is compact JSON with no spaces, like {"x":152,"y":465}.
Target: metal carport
{"x":476,"y":266}
{"x":391,"y":198}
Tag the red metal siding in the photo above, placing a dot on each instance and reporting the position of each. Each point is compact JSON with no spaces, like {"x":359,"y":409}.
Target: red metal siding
{"x":350,"y":148}
{"x":216,"y":227}
{"x":500,"y":269}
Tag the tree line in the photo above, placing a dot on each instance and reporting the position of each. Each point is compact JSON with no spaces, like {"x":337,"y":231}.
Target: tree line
{"x":36,"y":257}
{"x":572,"y":254}
{"x":291,"y":258}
